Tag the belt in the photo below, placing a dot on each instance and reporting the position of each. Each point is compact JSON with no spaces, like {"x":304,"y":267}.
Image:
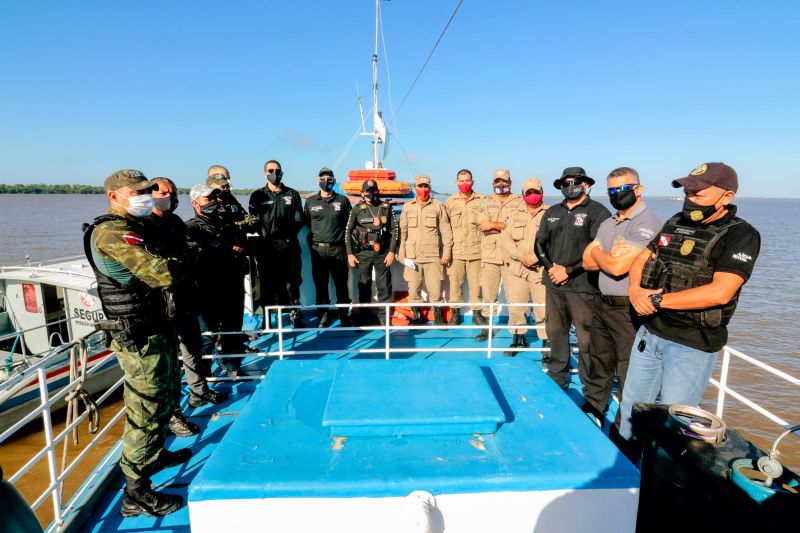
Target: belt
{"x":327,"y":244}
{"x":614,"y":300}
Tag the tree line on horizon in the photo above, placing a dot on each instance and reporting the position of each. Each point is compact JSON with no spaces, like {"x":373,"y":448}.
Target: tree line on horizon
{"x":43,"y":188}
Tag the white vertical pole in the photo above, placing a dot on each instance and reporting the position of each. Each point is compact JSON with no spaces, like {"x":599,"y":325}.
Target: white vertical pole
{"x":51,"y":452}
{"x":723,"y":381}
{"x":386,"y":324}
{"x":280,"y":333}
{"x":491,"y":331}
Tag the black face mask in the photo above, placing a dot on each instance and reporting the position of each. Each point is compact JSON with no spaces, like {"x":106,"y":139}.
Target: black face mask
{"x":622,"y":200}
{"x":372,"y":198}
{"x":573,"y":192}
{"x":326,"y":184}
{"x":211,"y":210}
{"x":696,"y":213}
{"x":275,"y":177}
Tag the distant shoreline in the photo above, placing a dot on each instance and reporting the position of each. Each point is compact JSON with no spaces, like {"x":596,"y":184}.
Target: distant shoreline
{"x":42,"y":188}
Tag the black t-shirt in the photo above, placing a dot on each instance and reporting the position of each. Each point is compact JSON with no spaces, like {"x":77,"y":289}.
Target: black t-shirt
{"x":736,"y":253}
{"x":327,"y":217}
{"x":563,"y":236}
{"x":280,"y":213}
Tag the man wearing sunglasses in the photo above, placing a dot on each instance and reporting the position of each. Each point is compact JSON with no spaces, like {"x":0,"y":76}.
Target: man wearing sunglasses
{"x":566,"y":230}
{"x":686,"y":285}
{"x":280,"y":212}
{"x":620,"y":239}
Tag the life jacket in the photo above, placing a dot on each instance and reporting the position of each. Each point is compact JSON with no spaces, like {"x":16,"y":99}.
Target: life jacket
{"x":139,"y":309}
{"x":681,"y":262}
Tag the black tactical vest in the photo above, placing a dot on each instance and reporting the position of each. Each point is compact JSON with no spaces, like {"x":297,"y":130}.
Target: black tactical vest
{"x":681,"y":263}
{"x":140,"y":309}
{"x":366,"y":234}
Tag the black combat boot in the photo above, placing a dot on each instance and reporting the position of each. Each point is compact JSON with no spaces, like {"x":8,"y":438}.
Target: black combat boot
{"x":417,"y":316}
{"x":344,"y":319}
{"x":296,"y":319}
{"x":455,"y":318}
{"x":514,"y":344}
{"x":438,"y":319}
{"x":478,"y":319}
{"x":143,"y":500}
{"x":180,"y":426}
{"x":325,"y":320}
{"x":205,"y":397}
{"x":167,"y":459}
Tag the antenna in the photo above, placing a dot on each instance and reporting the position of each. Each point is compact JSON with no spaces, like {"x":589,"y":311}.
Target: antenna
{"x":360,"y":109}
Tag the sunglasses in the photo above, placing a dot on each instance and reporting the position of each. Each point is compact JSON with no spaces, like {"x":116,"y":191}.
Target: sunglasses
{"x":622,"y":188}
{"x":423,"y":186}
{"x":571,"y":181}
{"x":273,"y":170}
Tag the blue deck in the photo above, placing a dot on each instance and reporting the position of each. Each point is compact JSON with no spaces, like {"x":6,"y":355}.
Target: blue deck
{"x":216,"y":421}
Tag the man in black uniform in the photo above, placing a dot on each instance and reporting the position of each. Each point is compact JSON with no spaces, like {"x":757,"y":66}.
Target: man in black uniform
{"x":280,"y":213}
{"x":566,"y":230}
{"x":219,"y":275}
{"x":220,"y":178}
{"x":172,"y":232}
{"x":686,"y":285}
{"x":326,"y":214}
{"x":371,"y":235}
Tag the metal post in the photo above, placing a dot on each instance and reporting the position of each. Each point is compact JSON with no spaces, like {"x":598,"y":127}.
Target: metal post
{"x":51,"y":452}
{"x":723,"y":381}
{"x":387,"y":332}
{"x":491,"y":331}
{"x":280,"y":333}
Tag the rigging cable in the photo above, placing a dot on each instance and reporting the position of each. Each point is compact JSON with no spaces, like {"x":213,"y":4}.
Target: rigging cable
{"x":431,"y":54}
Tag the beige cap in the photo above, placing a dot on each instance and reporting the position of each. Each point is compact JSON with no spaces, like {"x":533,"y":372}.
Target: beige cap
{"x":501,"y":174}
{"x":422,"y":179}
{"x":532,"y":183}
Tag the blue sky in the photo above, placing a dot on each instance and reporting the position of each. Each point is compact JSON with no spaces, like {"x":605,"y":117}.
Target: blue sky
{"x":170,"y":87}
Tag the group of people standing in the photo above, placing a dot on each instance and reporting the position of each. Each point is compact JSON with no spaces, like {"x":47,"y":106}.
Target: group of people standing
{"x":649,"y":302}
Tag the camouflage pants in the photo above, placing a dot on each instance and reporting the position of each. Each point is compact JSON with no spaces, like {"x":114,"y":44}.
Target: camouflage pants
{"x":151,"y":379}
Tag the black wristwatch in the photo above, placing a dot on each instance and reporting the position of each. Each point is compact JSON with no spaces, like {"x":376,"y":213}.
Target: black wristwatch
{"x":656,"y":300}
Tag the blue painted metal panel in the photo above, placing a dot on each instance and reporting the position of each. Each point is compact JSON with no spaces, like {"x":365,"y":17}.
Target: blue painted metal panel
{"x":389,"y":398}
{"x":278,"y":446}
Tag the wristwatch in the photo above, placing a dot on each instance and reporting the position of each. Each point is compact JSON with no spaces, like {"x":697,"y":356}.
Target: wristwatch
{"x":656,"y":300}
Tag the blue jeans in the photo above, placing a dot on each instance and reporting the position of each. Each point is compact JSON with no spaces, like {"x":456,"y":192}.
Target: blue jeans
{"x":665,"y":371}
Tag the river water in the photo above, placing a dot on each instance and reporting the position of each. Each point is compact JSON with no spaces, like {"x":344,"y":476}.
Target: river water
{"x":765,"y":325}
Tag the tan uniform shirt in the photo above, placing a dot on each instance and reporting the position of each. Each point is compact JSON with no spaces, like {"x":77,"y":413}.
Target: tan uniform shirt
{"x":491,"y":209}
{"x":463,"y":220}
{"x":519,"y":237}
{"x":425,"y":234}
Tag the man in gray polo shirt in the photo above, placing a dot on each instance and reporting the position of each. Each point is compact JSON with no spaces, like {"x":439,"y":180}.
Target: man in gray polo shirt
{"x":620,"y":239}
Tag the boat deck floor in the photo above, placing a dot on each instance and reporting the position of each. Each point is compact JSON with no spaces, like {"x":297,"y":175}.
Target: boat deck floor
{"x":215,"y":420}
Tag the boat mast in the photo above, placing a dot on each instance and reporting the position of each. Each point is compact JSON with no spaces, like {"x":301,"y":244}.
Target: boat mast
{"x":375,"y":116}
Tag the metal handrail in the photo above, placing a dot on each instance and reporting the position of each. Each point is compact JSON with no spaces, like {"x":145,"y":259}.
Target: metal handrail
{"x":63,"y":513}
{"x":724,"y":389}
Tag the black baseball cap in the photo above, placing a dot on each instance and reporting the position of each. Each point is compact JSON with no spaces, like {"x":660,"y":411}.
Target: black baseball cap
{"x":709,"y":175}
{"x":325,"y":171}
{"x":369,"y":184}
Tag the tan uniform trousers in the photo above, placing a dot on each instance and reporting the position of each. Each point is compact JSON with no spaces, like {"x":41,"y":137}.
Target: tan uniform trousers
{"x":491,"y":274}
{"x":432,"y":275}
{"x":458,"y":271}
{"x":519,"y":290}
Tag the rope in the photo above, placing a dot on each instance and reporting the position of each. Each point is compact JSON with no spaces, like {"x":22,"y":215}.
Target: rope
{"x":78,"y":363}
{"x":431,"y":54}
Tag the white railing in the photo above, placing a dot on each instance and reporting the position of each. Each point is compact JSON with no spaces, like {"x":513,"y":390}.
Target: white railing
{"x":63,"y":513}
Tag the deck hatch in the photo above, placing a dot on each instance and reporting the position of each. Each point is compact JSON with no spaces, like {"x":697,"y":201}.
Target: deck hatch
{"x":396,"y":397}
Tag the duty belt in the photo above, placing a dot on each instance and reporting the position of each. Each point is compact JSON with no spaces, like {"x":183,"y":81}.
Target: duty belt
{"x":327,"y":244}
{"x":614,"y":300}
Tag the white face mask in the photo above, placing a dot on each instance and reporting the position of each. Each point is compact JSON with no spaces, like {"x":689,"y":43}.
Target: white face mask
{"x":140,"y":206}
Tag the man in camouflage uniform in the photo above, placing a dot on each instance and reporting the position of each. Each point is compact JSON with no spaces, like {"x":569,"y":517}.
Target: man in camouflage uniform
{"x":466,"y":263}
{"x":524,"y":271}
{"x":132,"y":278}
{"x":426,"y":239}
{"x":493,"y":214}
{"x":371,"y":243}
